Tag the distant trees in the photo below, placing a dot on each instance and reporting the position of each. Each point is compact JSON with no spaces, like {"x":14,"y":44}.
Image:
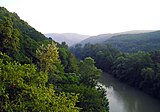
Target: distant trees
{"x":129,"y":67}
{"x":140,"y":69}
{"x":104,"y":55}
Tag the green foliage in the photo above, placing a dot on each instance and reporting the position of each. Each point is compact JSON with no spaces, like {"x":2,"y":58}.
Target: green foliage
{"x":63,"y":56}
{"x":9,"y":41}
{"x":90,"y":99}
{"x":68,"y":60}
{"x":48,"y":57}
{"x":24,"y":89}
{"x":18,"y":39}
{"x":147,"y":75}
{"x":100,"y":53}
{"x":129,"y":67}
{"x":89,"y":73}
{"x":72,"y":63}
{"x":49,"y":62}
{"x":70,"y":78}
{"x":4,"y":57}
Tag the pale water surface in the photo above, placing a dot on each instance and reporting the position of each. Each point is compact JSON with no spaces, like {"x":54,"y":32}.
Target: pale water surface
{"x":123,"y":98}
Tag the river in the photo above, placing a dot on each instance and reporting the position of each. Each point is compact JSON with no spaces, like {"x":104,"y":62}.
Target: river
{"x":123,"y":98}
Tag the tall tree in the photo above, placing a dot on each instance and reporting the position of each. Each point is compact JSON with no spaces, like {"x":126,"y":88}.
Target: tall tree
{"x":89,"y":72}
{"x":48,"y":57}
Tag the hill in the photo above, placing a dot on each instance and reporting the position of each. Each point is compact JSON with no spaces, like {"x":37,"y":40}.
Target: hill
{"x":96,"y":39}
{"x":136,"y":42}
{"x":103,"y":37}
{"x":17,"y":38}
{"x":69,"y":38}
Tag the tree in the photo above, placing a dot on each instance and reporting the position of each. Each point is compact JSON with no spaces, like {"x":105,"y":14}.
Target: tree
{"x":23,"y":88}
{"x":49,"y":62}
{"x":63,"y":55}
{"x":48,"y":57}
{"x":91,"y":99}
{"x":148,"y":77}
{"x":72,"y":64}
{"x":89,"y":72}
{"x":64,"y":45}
{"x":120,"y":69}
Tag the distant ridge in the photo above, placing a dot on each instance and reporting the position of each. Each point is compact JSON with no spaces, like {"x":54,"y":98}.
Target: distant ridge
{"x":103,"y":37}
{"x":69,"y":38}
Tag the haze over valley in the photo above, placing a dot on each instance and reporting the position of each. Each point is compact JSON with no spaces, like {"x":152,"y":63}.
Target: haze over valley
{"x":69,"y":38}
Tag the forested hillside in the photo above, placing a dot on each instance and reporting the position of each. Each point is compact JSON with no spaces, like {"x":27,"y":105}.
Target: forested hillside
{"x":96,"y":39}
{"x":136,"y":42}
{"x":38,"y":74}
{"x":22,"y":40}
{"x":122,"y":39}
{"x":128,"y":41}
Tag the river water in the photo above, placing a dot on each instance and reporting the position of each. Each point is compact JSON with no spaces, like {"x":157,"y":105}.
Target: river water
{"x":123,"y":98}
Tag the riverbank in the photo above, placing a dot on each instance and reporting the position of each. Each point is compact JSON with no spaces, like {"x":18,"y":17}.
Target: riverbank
{"x":123,"y":98}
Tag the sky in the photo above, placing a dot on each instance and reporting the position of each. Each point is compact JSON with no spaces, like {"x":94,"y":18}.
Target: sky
{"x":88,"y":17}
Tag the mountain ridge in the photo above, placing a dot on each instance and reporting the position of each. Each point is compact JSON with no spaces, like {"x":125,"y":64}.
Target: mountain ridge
{"x":103,"y":37}
{"x":69,"y":38}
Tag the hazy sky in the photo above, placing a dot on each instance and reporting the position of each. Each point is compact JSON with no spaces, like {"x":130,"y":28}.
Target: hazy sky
{"x":90,"y":17}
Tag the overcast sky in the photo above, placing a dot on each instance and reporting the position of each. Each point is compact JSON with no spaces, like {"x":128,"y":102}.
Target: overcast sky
{"x":90,"y":17}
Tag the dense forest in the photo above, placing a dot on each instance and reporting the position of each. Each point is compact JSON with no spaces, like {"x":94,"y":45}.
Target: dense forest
{"x":38,"y":74}
{"x":140,"y":69}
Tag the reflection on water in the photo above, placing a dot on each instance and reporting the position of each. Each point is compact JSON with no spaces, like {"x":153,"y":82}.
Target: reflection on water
{"x":123,"y":98}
